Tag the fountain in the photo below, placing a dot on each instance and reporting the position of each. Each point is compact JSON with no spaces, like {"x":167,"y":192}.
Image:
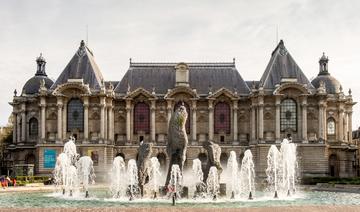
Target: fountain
{"x":118,"y":176}
{"x":273,"y":169}
{"x":72,"y":179}
{"x":288,"y":166}
{"x":154,"y":175}
{"x":70,"y":150}
{"x":60,"y":171}
{"x":233,"y":169}
{"x":70,"y":172}
{"x":281,"y":176}
{"x":132,"y":174}
{"x":247,"y":174}
{"x":85,"y":173}
{"x":175,"y":183}
{"x":200,"y":187}
{"x":212,"y":183}
{"x":281,"y":169}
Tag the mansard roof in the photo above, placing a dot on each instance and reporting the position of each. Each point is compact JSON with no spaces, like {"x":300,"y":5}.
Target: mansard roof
{"x":82,"y":66}
{"x":282,"y":68}
{"x":202,"y":76}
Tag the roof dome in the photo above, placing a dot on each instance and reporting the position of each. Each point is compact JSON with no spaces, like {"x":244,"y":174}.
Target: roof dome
{"x":33,"y":84}
{"x":332,"y":85}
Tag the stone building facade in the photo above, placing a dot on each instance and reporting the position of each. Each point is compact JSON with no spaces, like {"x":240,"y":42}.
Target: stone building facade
{"x":110,"y":118}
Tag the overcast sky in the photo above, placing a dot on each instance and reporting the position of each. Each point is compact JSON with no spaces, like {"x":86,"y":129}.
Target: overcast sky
{"x":174,"y":31}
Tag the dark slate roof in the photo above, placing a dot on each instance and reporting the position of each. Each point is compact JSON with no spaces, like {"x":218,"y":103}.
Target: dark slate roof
{"x":33,"y":84}
{"x":82,"y":66}
{"x":332,"y":85}
{"x":282,"y":65}
{"x":250,"y":84}
{"x":202,"y":76}
{"x":114,"y":83}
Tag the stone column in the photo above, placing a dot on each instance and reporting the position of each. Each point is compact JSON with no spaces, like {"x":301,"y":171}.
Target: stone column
{"x":43,"y":118}
{"x":277,"y":119}
{"x":324,"y":122}
{"x":321,"y":120}
{"x":59,"y":120}
{"x":235,"y":122}
{"x":106,"y":122}
{"x":128,"y":120}
{"x":253,"y":123}
{"x":304,"y":120}
{"x":169,"y":111}
{"x":102,"y":119}
{"x":346,"y":127}
{"x":153,"y":125}
{"x":211,"y":120}
{"x":350,"y":127}
{"x":64,"y":115}
{"x":18,"y":128}
{"x":111,"y":122}
{"x":194,"y":130}
{"x":15,"y":122}
{"x":261,"y":119}
{"x":341,"y":124}
{"x":23,"y":122}
{"x":86,"y":118}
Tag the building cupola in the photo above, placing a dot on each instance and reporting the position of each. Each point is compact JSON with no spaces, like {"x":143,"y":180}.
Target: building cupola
{"x":182,"y":74}
{"x":323,"y":65}
{"x":332,"y":85}
{"x":32,"y":86}
{"x":40,"y":66}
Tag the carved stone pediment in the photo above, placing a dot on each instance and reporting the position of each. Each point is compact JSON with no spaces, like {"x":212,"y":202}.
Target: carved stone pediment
{"x":72,"y":89}
{"x":297,"y":88}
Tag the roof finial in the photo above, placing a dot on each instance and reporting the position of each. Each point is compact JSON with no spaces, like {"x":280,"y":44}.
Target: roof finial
{"x":130,"y":60}
{"x":15,"y":92}
{"x":82,"y":43}
{"x":323,"y":65}
{"x":128,"y":88}
{"x":350,"y":91}
{"x":40,"y":66}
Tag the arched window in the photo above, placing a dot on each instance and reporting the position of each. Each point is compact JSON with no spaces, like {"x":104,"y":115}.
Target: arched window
{"x":187,"y":124}
{"x":141,"y":118}
{"x":331,"y":126}
{"x":288,"y":115}
{"x":33,"y":127}
{"x":75,"y":115}
{"x":222,"y":117}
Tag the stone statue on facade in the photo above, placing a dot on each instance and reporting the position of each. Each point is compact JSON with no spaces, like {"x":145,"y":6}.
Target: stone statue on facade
{"x":144,"y":164}
{"x":213,"y":152}
{"x":177,"y":140}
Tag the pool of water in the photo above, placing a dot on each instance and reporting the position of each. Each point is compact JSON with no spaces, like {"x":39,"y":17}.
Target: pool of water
{"x":101,"y":198}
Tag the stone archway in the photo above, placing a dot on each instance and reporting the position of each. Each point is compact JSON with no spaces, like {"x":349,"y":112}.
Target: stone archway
{"x":204,"y":159}
{"x":30,"y":159}
{"x":334,"y":165}
{"x":121,"y":154}
{"x":223,"y":159}
{"x":162,"y":160}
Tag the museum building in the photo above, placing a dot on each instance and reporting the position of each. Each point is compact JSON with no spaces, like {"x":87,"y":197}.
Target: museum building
{"x":111,"y":118}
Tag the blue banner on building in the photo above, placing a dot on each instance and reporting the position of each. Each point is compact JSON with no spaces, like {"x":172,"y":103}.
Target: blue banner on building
{"x":49,"y":158}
